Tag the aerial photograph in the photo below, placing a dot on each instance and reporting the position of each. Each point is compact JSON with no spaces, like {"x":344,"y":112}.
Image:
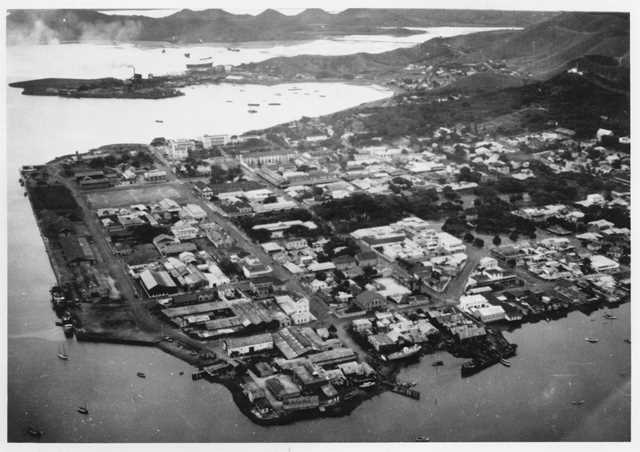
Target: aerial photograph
{"x":318,"y":224}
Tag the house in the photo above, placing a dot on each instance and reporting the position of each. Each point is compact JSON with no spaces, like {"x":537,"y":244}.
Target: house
{"x":255,"y":269}
{"x":282,"y":387}
{"x":381,"y":342}
{"x":179,"y":149}
{"x":209,"y":141}
{"x":204,"y":190}
{"x":361,"y":325}
{"x":168,"y":245}
{"x":370,"y":300}
{"x":184,"y":230}
{"x":193,"y":211}
{"x":76,"y":249}
{"x":367,"y":259}
{"x":601,"y":264}
{"x":155,"y":176}
{"x":599,"y":225}
{"x":248,"y":344}
{"x":345,"y":262}
{"x":489,"y":313}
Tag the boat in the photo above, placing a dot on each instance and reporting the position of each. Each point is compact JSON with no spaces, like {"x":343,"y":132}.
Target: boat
{"x":62,"y":353}
{"x":422,"y":439}
{"x":181,"y":372}
{"x":35,"y":432}
{"x":253,"y":105}
{"x":253,"y":111}
{"x":187,"y":54}
{"x":505,"y":363}
{"x":406,"y":352}
{"x":628,"y":341}
{"x":233,"y":49}
{"x":164,"y":51}
{"x":577,"y":402}
{"x":437,"y":363}
{"x":274,"y":103}
{"x":592,"y":340}
{"x":160,"y":121}
{"x":229,"y":101}
{"x":367,"y":384}
{"x":476,"y":365}
{"x":205,"y":58}
{"x":199,"y":66}
{"x":610,"y":316}
{"x":21,"y":181}
{"x":83,"y":409}
{"x":141,"y":375}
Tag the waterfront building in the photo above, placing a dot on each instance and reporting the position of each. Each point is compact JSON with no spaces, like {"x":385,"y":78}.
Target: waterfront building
{"x":248,"y":344}
{"x":155,"y":176}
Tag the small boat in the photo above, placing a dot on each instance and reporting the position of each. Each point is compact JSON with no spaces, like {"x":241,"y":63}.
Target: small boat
{"x":205,"y":58}
{"x":164,"y":51}
{"x":592,"y":340}
{"x":505,"y":363}
{"x":141,"y":375}
{"x":423,"y":439}
{"x":322,"y":95}
{"x":253,"y":105}
{"x":406,"y":352}
{"x":229,"y":101}
{"x":628,"y":341}
{"x":159,"y":121}
{"x":33,"y":431}
{"x":253,"y":111}
{"x":577,"y":402}
{"x":233,"y":49}
{"x":367,"y":384}
{"x":274,"y":103}
{"x":610,"y":316}
{"x":62,"y":353}
{"x":181,"y":372}
{"x":83,"y":409}
{"x":437,"y":363}
{"x":187,"y":55}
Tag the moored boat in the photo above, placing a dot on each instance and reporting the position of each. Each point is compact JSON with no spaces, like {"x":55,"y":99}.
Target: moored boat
{"x":253,"y":111}
{"x":505,"y":363}
{"x":592,"y":340}
{"x":83,"y":409}
{"x":141,"y":375}
{"x":437,"y":363}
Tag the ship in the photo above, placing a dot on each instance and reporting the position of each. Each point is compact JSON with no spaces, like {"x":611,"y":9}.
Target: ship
{"x":406,"y":352}
{"x":577,"y":402}
{"x":141,"y":375}
{"x":437,"y":364}
{"x":274,"y":103}
{"x":205,"y":58}
{"x":253,"y":111}
{"x":505,"y":363}
{"x":476,"y":365}
{"x":253,"y":105}
{"x":592,"y":340}
{"x":159,"y":121}
{"x":187,"y":55}
{"x":233,"y":49}
{"x":199,"y":66}
{"x":83,"y":409}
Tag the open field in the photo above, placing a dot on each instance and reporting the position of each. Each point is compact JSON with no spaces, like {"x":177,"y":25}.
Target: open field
{"x":134,"y":195}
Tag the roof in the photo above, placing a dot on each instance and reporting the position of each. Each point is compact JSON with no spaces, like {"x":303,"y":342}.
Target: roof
{"x":366,"y":255}
{"x":246,"y":341}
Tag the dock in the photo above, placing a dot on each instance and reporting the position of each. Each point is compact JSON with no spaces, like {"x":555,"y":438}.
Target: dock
{"x":402,"y":389}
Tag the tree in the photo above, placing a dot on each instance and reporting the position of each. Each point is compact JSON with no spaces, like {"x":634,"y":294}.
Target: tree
{"x":497,"y":240}
{"x":478,"y":242}
{"x":585,"y":266}
{"x":468,"y":237}
{"x":513,"y":236}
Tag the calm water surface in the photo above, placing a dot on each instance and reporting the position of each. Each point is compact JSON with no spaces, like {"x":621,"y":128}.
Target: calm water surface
{"x":529,"y":401}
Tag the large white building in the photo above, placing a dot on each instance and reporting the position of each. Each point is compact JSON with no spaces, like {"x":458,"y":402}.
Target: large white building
{"x":297,"y":310}
{"x":184,"y":230}
{"x":179,"y":149}
{"x":209,"y":141}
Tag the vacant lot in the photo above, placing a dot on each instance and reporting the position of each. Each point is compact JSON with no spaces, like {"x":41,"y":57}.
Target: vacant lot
{"x":127,"y":196}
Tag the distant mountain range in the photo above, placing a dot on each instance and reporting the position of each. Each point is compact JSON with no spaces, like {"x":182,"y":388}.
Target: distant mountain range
{"x":540,"y":50}
{"x":216,"y":25}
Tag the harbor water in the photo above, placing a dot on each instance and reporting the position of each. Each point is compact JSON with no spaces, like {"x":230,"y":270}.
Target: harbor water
{"x":529,"y":401}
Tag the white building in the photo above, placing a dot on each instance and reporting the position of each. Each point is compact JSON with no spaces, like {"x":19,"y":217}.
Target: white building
{"x":179,"y":149}
{"x":489,"y":313}
{"x":601,"y":263}
{"x":248,"y":344}
{"x":184,"y":230}
{"x":297,"y":310}
{"x":209,"y":141}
